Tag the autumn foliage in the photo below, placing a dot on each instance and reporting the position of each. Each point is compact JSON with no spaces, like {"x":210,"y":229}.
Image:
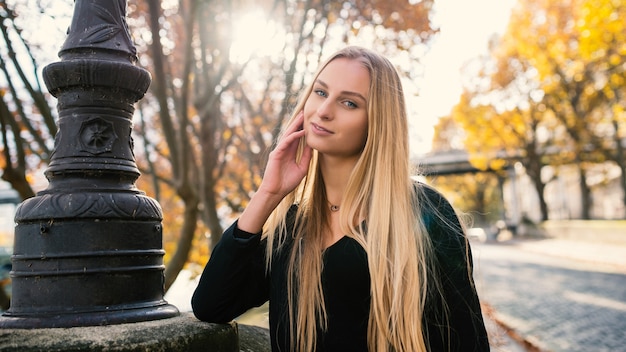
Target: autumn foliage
{"x":550,"y":92}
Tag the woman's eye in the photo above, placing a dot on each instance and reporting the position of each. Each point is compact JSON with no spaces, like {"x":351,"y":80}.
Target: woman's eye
{"x":320,"y":92}
{"x":350,"y":104}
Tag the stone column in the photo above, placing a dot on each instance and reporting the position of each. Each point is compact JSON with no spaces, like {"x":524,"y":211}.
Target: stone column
{"x":88,"y":249}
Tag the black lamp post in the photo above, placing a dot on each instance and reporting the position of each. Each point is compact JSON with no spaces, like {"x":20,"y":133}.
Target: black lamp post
{"x":88,"y":249}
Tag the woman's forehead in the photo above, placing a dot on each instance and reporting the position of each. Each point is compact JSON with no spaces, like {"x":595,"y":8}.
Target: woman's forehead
{"x":346,"y":75}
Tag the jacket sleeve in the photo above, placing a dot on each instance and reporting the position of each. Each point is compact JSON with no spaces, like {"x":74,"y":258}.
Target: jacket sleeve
{"x":462,"y":328}
{"x":234,"y":280}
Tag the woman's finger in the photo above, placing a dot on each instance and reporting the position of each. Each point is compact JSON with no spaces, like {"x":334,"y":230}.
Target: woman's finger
{"x":296,"y":125}
{"x":292,"y":134}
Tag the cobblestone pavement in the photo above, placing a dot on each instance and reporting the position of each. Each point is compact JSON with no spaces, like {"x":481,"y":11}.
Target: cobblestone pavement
{"x":554,"y":295}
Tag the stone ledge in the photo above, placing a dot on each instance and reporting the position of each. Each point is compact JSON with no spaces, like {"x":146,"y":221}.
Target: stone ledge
{"x":254,"y":339}
{"x":181,"y":333}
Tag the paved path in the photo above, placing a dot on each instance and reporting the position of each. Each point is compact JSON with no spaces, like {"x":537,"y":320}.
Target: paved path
{"x":555,"y":294}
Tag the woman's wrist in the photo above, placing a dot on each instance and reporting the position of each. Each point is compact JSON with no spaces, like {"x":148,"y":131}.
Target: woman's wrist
{"x":254,"y":216}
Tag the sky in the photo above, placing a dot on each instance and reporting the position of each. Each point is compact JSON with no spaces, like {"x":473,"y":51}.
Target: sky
{"x":465,"y":29}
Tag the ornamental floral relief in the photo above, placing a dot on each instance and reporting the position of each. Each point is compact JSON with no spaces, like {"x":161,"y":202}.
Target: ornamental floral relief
{"x":89,"y":205}
{"x":97,"y":136}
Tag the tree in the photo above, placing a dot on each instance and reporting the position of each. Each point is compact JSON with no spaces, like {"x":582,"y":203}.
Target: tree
{"x":213,"y":111}
{"x":221,"y":107}
{"x":578,"y":76}
{"x":552,"y":89}
{"x":504,"y":125}
{"x":477,"y":193}
{"x":203,"y":130}
{"x":27,"y":119}
{"x":602,"y":28}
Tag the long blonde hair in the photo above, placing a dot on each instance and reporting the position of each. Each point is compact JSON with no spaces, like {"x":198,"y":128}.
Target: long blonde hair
{"x":380,"y":191}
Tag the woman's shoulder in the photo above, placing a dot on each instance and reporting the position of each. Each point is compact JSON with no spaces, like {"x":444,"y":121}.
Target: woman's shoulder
{"x":438,"y":215}
{"x":430,"y":199}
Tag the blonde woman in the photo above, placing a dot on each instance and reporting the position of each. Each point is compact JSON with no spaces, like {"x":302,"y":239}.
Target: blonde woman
{"x":350,"y":252}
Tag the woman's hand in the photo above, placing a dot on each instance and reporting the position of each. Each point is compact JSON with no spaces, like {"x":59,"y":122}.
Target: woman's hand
{"x":283,"y":174}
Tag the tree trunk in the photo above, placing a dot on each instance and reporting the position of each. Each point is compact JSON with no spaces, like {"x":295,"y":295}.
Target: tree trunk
{"x":543,"y":206}
{"x":17,"y":180}
{"x":622,"y":167}
{"x":187,"y":232}
{"x":585,"y":194}
{"x":620,"y":160}
{"x":181,"y":157}
{"x":533,"y":169}
{"x":5,"y":301}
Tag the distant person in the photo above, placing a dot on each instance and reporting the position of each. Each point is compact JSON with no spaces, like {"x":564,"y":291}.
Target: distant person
{"x":352,"y":254}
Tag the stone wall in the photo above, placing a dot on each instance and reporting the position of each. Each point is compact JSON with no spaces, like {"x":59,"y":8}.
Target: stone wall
{"x":182,"y":333}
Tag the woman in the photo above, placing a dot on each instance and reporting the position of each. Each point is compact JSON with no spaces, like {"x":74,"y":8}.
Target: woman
{"x":350,"y":252}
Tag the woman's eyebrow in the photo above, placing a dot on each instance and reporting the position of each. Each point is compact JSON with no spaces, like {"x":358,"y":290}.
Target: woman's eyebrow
{"x":345,"y":92}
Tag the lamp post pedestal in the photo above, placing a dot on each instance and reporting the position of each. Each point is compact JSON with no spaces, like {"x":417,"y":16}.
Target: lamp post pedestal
{"x":88,"y":249}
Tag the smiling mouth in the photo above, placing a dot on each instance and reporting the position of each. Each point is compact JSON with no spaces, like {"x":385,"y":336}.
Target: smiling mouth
{"x":320,"y":128}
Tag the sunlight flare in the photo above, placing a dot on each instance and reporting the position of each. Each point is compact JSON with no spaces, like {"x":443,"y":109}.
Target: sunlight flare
{"x":254,"y":35}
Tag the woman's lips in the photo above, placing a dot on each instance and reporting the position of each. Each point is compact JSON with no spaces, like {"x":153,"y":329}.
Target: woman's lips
{"x":317,"y":129}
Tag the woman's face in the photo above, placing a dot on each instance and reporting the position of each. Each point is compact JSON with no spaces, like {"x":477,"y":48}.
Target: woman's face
{"x":335,"y":114}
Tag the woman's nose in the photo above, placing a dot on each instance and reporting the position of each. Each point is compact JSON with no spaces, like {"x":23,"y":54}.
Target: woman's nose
{"x":325,"y":110}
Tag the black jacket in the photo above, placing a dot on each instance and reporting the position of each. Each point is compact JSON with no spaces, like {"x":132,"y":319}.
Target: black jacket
{"x":235,"y":280}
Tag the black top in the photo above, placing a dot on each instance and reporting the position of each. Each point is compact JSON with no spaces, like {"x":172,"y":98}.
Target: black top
{"x":235,"y":280}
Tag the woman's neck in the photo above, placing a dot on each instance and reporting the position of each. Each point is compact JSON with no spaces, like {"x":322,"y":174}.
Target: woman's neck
{"x":336,"y":172}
